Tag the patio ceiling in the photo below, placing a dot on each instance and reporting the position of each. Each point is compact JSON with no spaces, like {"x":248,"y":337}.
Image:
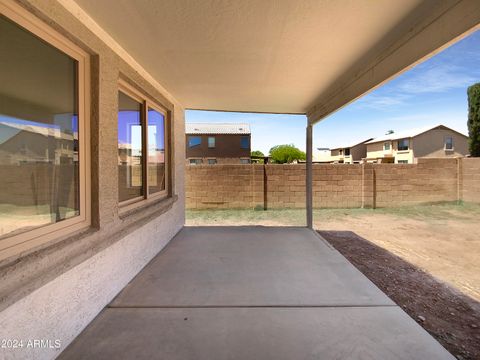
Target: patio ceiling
{"x":288,"y":56}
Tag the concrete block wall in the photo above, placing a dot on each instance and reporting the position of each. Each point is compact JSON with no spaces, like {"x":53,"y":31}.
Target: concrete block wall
{"x":428,"y":181}
{"x":223,"y":186}
{"x":33,"y":184}
{"x":334,"y":185}
{"x":470,"y":178}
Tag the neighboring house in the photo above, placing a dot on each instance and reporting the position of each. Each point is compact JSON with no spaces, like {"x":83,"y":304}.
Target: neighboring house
{"x":321,"y":155}
{"x":405,"y":147}
{"x":217,"y":144}
{"x":26,"y":143}
{"x":352,"y":154}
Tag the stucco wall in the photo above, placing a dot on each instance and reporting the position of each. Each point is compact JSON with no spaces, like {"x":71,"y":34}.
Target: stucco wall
{"x":376,"y":150}
{"x":358,"y":152}
{"x":60,"y":309}
{"x":432,"y":144}
{"x":53,"y":291}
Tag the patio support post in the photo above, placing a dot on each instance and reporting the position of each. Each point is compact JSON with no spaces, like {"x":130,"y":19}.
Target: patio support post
{"x":308,"y":183}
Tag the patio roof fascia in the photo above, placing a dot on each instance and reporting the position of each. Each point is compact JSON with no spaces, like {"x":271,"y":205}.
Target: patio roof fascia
{"x":430,"y":36}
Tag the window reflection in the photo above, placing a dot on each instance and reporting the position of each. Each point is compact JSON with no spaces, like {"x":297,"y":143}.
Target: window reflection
{"x":39,"y":161}
{"x":156,"y":151}
{"x":130,"y":178}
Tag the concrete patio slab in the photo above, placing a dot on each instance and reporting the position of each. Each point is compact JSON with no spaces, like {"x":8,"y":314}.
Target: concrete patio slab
{"x":249,"y":266}
{"x":255,"y":333}
{"x":252,"y":293}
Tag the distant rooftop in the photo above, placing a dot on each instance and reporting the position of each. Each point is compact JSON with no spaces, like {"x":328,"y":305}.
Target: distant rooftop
{"x":409,"y":133}
{"x":37,"y":129}
{"x":366,"y":141}
{"x":212,"y":128}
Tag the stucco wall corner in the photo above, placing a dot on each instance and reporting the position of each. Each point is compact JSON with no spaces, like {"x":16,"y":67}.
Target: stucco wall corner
{"x":63,"y":307}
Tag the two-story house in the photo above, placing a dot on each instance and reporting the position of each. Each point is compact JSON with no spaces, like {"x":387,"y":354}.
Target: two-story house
{"x":351,"y":154}
{"x":405,"y":147}
{"x":217,"y":143}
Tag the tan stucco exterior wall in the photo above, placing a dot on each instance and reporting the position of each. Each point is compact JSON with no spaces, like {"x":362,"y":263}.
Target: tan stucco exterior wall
{"x":358,"y":152}
{"x":376,"y":151}
{"x":336,"y":157}
{"x":432,"y":144}
{"x":54,"y":291}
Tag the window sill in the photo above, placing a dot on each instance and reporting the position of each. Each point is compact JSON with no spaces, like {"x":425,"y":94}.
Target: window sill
{"x":38,"y":266}
{"x":159,"y":205}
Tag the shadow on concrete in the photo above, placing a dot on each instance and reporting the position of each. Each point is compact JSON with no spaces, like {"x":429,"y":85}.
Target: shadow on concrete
{"x":450,"y":316}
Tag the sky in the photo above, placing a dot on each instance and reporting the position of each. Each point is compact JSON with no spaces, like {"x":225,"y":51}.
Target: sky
{"x":433,"y":92}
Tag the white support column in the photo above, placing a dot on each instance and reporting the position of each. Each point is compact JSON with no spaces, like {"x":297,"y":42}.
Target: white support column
{"x":309,"y":177}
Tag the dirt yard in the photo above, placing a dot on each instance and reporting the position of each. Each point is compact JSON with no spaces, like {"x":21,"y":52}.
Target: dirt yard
{"x":448,"y":315}
{"x":443,"y":240}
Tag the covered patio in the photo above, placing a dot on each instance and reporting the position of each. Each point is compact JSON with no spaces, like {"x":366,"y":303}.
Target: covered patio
{"x":122,"y":277}
{"x":252,"y":293}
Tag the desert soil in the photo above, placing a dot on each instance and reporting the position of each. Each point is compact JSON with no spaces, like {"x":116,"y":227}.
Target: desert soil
{"x":448,"y":315}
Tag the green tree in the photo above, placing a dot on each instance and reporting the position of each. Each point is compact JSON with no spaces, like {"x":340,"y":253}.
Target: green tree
{"x":474,"y":119}
{"x":257,"y":153}
{"x":282,"y":154}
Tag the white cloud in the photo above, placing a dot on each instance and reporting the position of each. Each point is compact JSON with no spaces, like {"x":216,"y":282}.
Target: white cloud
{"x":382,"y":102}
{"x":431,"y":79}
{"x":436,"y":79}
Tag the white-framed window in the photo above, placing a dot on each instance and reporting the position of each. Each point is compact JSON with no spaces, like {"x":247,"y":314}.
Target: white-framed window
{"x":143,"y":147}
{"x":44,"y":128}
{"x":402,"y":161}
{"x":245,"y":161}
{"x":211,"y":142}
{"x":386,"y":146}
{"x":448,"y":143}
{"x":212,"y":161}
